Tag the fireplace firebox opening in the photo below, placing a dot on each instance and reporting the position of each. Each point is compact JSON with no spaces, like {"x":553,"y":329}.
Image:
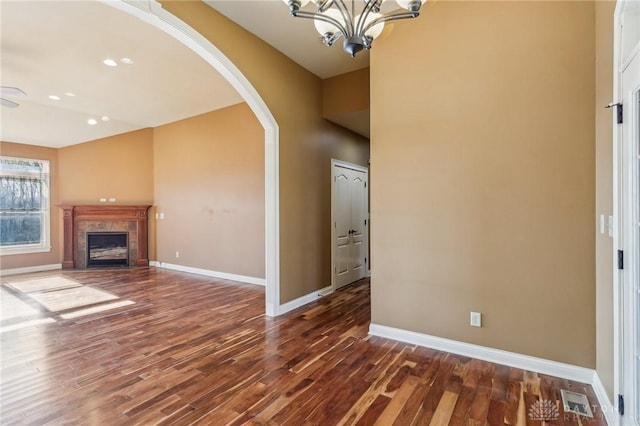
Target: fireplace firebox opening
{"x":107,"y":249}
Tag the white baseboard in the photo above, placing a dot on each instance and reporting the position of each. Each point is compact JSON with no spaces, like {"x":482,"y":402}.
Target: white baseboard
{"x":325,"y":291}
{"x":29,"y":269}
{"x":209,"y":273}
{"x":525,"y":362}
{"x":282,"y":309}
{"x":609,"y":411}
{"x":301,"y":301}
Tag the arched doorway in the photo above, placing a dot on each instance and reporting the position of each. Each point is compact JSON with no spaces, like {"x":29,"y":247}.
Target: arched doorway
{"x":152,"y":13}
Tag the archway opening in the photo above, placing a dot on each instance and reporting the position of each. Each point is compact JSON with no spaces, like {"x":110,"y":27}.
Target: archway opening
{"x":153,"y":14}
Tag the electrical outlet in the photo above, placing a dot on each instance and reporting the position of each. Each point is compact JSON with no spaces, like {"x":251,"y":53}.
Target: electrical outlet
{"x":177,"y":254}
{"x":103,"y":200}
{"x":476,"y":319}
{"x":112,"y":200}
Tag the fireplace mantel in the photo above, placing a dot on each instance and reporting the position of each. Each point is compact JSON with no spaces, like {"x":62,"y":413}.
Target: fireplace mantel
{"x":77,"y":217}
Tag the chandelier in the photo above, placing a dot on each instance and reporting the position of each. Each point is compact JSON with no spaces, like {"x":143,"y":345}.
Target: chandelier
{"x":359,"y":26}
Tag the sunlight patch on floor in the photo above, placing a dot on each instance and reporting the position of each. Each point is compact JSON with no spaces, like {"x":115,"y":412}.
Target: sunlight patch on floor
{"x":44,"y":284}
{"x":24,"y":324}
{"x":11,"y":307}
{"x":61,"y":300}
{"x":55,"y":294}
{"x":100,"y":308}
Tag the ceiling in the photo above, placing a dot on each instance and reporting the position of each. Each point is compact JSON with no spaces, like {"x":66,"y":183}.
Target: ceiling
{"x":57,"y":47}
{"x":298,"y":39}
{"x":295,"y":37}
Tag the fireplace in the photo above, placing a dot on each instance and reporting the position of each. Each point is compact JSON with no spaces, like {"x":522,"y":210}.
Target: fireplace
{"x":80,"y":220}
{"x":107,"y":249}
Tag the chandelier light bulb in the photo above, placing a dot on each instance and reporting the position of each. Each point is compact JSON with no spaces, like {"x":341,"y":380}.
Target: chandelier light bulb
{"x":326,"y":27}
{"x":374,"y":31}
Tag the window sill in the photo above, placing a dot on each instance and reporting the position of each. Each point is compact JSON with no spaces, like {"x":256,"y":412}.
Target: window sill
{"x":8,"y":251}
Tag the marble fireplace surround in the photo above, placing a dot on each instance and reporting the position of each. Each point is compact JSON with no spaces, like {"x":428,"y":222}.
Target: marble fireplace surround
{"x":80,"y":219}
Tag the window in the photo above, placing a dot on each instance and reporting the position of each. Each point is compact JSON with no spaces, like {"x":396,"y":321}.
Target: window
{"x":24,"y":205}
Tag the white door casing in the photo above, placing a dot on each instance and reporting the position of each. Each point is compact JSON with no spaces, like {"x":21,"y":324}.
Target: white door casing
{"x":349,"y":223}
{"x":627,"y":211}
{"x":628,"y":241}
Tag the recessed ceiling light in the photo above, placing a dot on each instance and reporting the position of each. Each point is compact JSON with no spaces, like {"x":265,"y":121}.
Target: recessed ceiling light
{"x":70,"y":94}
{"x":54,"y":97}
{"x":126,"y":61}
{"x":105,"y":118}
{"x":110,"y":62}
{"x":92,"y":121}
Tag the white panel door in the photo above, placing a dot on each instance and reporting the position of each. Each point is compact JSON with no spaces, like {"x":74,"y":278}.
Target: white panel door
{"x":350,"y":217}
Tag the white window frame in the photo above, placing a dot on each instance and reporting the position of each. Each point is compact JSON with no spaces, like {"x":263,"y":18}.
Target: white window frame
{"x":45,"y":242}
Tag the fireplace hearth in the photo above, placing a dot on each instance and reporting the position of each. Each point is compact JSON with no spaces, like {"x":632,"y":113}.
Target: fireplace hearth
{"x":107,"y":249}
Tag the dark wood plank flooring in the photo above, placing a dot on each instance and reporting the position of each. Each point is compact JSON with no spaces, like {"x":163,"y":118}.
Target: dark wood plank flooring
{"x":195,"y":350}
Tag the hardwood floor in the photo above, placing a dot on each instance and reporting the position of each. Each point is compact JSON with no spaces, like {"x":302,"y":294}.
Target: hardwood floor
{"x":182,"y":349}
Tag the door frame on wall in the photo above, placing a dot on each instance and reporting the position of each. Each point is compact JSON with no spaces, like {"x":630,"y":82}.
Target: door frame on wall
{"x":151,"y":12}
{"x":626,"y":199}
{"x":343,"y":164}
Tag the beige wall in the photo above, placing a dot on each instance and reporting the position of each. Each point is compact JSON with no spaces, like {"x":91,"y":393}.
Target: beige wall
{"x":346,"y":93}
{"x":482,"y":156}
{"x":119,"y":167}
{"x":54,"y":256}
{"x":209,"y":184}
{"x":604,"y":193}
{"x":307,"y":144}
{"x":345,"y":101}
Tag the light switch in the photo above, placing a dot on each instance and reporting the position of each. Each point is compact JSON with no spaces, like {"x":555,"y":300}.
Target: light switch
{"x":476,"y":319}
{"x":602,"y":223}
